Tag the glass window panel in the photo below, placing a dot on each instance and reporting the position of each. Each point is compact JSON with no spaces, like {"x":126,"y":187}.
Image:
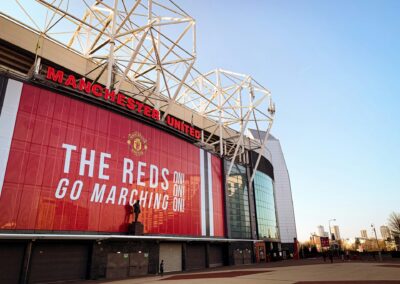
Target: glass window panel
{"x":238,"y":201}
{"x":265,"y":206}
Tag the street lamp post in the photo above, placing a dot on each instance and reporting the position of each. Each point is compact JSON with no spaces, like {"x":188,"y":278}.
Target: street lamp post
{"x":377,"y":243}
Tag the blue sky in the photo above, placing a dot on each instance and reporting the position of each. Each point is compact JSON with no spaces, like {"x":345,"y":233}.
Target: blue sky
{"x":334,"y":71}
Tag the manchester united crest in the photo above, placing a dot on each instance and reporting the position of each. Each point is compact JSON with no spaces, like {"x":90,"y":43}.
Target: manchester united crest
{"x":137,"y":143}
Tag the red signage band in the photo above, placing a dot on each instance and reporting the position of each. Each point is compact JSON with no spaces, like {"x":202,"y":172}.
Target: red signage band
{"x":118,"y":99}
{"x":182,"y":127}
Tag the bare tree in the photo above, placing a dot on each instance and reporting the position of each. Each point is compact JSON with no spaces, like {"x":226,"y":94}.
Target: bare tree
{"x":394,"y":223}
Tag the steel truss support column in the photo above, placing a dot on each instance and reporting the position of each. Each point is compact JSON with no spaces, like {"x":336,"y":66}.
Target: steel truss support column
{"x":110,"y":69}
{"x":261,"y":153}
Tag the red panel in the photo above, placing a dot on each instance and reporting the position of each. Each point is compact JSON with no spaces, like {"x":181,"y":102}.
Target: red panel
{"x":218,"y":197}
{"x":46,"y":121}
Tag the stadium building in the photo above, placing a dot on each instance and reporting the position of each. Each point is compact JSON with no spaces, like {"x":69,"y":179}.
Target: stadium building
{"x":101,"y":106}
{"x":285,"y":218}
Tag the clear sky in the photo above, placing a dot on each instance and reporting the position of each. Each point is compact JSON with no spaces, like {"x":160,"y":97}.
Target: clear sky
{"x":334,"y":71}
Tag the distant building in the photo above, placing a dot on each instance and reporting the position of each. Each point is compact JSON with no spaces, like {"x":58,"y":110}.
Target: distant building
{"x":321,"y":231}
{"x":335,"y":231}
{"x":364,"y":234}
{"x":319,"y":242}
{"x":385,"y":232}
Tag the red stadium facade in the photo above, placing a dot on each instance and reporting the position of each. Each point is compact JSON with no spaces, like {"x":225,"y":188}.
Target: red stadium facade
{"x":72,"y":171}
{"x":78,"y":167}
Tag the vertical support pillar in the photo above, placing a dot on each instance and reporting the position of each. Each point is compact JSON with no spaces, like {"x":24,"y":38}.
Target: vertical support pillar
{"x":184,"y":255}
{"x":26,"y":263}
{"x":207,"y":248}
{"x":226,"y":200}
{"x":252,"y":205}
{"x":92,"y":265}
{"x":253,"y":219}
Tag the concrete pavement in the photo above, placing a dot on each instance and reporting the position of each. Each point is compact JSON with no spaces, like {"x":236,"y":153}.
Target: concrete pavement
{"x":368,"y":272}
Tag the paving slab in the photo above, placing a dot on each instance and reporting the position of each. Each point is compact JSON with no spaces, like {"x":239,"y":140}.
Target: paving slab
{"x":311,"y":272}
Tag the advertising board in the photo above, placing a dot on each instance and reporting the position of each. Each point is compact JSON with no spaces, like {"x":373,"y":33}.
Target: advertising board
{"x":73,"y":166}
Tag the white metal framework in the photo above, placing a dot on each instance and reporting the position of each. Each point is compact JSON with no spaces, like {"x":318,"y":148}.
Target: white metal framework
{"x":152,"y":45}
{"x":236,"y":102}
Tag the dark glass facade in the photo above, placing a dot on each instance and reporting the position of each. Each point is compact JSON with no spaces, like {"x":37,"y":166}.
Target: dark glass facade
{"x":265,"y":206}
{"x":238,"y":202}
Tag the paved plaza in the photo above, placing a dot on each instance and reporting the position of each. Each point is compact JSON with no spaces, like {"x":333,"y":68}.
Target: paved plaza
{"x":306,"y":273}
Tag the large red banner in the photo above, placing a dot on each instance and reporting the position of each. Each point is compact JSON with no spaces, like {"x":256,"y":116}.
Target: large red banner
{"x":77,"y":167}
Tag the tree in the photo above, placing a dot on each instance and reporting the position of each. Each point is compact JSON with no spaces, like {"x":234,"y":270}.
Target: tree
{"x":394,"y":223}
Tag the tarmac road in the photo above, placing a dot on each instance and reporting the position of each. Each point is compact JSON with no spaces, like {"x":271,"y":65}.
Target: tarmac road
{"x":284,"y":272}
